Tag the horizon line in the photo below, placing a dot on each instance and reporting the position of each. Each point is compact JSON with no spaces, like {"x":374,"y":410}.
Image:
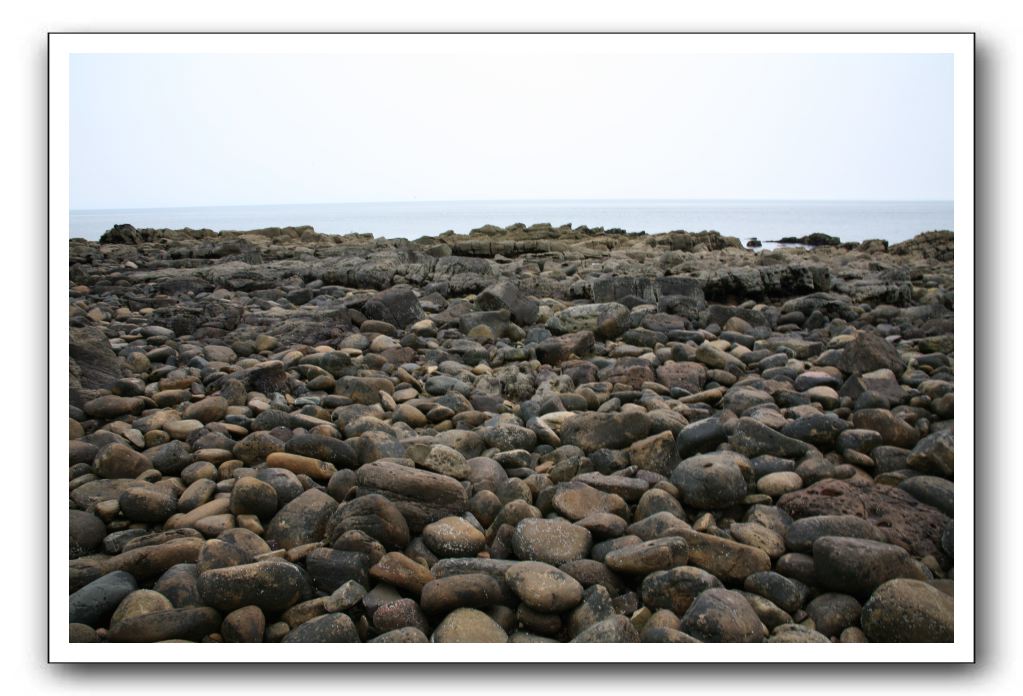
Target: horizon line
{"x":529,"y":200}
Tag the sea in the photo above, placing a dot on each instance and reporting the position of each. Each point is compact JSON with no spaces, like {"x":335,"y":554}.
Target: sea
{"x":765,"y":220}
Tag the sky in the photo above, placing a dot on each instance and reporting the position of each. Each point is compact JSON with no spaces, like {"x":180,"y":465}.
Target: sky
{"x":180,"y":130}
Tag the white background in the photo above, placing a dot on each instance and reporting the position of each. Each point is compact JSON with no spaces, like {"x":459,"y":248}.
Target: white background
{"x":22,"y":602}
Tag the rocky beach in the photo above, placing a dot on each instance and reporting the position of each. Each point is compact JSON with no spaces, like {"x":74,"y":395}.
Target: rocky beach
{"x":522,"y":434}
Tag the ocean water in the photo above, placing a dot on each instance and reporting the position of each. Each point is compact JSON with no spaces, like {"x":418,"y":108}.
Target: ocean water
{"x":851,"y":221}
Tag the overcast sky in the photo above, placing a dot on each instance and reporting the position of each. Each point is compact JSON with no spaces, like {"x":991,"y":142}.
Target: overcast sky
{"x":207,"y":130}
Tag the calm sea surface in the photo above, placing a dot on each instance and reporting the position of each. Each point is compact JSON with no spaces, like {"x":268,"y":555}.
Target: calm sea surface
{"x":849,"y":220}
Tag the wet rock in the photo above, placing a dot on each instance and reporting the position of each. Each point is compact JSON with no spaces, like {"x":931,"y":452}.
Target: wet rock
{"x":327,"y":449}
{"x":821,"y":430}
{"x":80,"y":633}
{"x":658,"y":525}
{"x":255,"y":447}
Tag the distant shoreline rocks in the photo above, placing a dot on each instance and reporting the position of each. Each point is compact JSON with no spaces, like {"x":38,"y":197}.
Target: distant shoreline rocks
{"x":536,"y":238}
{"x":813,"y":240}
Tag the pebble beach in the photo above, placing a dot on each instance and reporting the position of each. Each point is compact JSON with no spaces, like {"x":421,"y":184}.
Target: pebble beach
{"x":520,"y":434}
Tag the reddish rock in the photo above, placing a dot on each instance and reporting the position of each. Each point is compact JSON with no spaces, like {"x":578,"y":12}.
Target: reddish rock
{"x":902,"y":519}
